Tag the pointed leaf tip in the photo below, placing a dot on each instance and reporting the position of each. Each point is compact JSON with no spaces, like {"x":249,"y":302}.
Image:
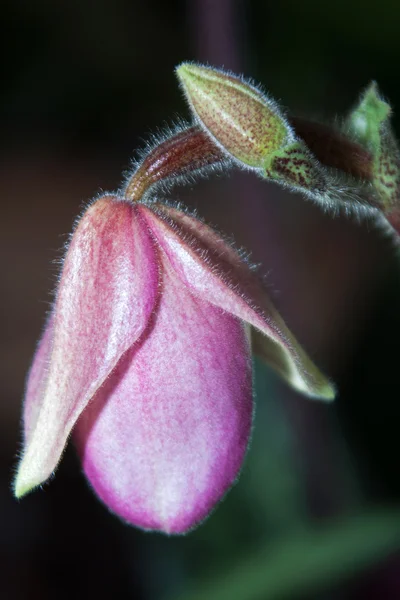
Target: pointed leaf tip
{"x":369,"y":123}
{"x":24,"y":483}
{"x":295,"y":366}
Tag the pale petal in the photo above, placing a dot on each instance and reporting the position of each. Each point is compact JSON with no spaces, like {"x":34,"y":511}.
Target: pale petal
{"x":166,"y":435}
{"x":215,"y":272}
{"x":37,"y":379}
{"x":106,"y":294}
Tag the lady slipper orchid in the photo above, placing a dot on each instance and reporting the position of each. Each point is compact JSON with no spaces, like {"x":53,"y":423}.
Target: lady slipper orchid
{"x":146,"y":360}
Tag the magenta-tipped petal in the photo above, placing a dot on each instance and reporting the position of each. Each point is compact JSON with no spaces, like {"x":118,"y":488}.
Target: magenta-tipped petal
{"x":216,"y":273}
{"x":106,"y":294}
{"x":165,"y":437}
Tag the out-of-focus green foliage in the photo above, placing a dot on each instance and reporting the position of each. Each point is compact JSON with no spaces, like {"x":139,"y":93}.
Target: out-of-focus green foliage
{"x":308,"y":560}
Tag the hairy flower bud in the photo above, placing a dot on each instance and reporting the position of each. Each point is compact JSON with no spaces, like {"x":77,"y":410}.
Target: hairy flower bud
{"x":242,"y":120}
{"x":251,"y":128}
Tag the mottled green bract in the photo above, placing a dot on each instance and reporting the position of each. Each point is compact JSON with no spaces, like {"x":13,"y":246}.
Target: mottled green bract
{"x":295,"y":166}
{"x":369,"y":122}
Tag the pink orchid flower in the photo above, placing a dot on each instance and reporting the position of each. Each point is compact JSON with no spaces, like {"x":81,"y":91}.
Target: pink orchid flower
{"x":146,"y":360}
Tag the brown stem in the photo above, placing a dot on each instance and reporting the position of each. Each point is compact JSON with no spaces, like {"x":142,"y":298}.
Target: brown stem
{"x":184,"y":153}
{"x":191,"y":150}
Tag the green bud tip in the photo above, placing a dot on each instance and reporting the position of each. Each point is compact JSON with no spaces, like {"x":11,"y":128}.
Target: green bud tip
{"x":369,"y":122}
{"x":366,"y":120}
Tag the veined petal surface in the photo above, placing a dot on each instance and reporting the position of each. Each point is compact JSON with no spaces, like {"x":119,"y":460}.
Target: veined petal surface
{"x":166,"y":435}
{"x":106,"y":294}
{"x":215,"y":272}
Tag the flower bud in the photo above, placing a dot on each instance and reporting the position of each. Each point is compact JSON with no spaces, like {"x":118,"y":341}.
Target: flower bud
{"x":251,"y":128}
{"x":239,"y":117}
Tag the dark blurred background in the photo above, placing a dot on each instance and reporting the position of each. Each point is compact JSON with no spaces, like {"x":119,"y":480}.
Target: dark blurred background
{"x":315,"y":514}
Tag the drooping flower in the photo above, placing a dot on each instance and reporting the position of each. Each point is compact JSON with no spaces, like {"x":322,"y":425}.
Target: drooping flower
{"x":146,"y":357}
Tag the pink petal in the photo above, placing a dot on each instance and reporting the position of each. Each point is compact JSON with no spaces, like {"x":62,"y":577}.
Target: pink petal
{"x":166,"y":435}
{"x":216,"y":273}
{"x":106,"y":294}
